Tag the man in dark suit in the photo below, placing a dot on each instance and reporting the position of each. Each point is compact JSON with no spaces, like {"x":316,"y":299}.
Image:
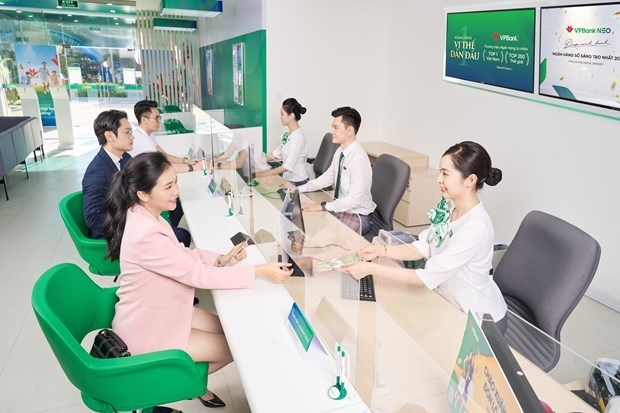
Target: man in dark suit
{"x":115,"y":136}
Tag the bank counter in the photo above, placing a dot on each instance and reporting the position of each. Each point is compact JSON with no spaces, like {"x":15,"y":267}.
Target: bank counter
{"x":401,"y":351}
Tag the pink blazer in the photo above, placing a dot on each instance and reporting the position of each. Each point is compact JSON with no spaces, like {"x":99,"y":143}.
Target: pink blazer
{"x":158,"y":276}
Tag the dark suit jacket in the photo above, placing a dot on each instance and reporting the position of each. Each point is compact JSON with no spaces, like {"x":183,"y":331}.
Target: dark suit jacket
{"x":95,"y":185}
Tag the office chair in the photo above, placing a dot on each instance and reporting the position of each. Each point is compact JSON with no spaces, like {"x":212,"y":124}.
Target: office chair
{"x":543,"y":275}
{"x":324,"y":155}
{"x":390,"y":177}
{"x":91,"y":250}
{"x":68,"y":305}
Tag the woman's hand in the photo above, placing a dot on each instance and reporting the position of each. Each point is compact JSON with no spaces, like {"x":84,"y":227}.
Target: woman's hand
{"x":372,"y":252}
{"x":236,"y":254}
{"x":360,"y":269}
{"x":275,"y":271}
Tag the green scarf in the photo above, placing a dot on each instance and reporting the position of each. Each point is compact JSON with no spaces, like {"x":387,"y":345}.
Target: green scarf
{"x":440,"y":223}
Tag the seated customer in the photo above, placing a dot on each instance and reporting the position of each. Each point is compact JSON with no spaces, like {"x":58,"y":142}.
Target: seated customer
{"x":149,"y":121}
{"x":292,"y":152}
{"x":158,"y":275}
{"x":115,"y":136}
{"x":458,"y":245}
{"x":350,"y":174}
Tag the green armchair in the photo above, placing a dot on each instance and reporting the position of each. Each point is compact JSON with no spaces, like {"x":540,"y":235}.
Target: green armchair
{"x":91,"y":250}
{"x":68,"y":305}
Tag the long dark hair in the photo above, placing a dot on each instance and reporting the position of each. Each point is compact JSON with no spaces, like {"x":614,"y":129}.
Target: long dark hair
{"x":291,"y":105}
{"x":471,"y":158}
{"x":140,"y":174}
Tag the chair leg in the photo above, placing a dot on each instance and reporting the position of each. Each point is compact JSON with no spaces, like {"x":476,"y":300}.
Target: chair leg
{"x":6,"y":193}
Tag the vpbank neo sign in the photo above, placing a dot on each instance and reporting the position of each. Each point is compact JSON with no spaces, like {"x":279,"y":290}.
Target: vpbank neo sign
{"x":69,"y":3}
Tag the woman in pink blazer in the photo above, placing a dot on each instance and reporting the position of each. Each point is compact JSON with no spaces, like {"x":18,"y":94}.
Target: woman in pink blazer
{"x":158,"y":274}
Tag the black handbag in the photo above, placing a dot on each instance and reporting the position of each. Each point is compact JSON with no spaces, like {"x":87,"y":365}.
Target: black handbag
{"x":109,"y":345}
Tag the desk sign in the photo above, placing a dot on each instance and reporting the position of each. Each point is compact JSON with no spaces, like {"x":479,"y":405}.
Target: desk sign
{"x":303,"y":334}
{"x":212,"y":185}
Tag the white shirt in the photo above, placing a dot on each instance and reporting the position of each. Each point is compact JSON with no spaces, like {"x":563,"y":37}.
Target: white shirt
{"x":294,"y":156}
{"x":142,"y":142}
{"x":355,"y":181}
{"x":459,"y":268}
{"x":114,"y":158}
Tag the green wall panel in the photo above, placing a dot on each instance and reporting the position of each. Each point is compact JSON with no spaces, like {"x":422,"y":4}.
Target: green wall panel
{"x":252,"y":113}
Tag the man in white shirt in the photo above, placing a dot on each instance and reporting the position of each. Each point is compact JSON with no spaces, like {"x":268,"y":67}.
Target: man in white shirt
{"x":350,"y":174}
{"x":149,"y":121}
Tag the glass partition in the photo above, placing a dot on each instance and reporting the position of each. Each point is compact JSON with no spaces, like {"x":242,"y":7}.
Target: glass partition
{"x":403,"y":350}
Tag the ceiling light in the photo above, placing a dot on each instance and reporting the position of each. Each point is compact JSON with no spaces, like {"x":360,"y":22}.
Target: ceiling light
{"x":112,"y":11}
{"x":75,"y":20}
{"x":18,"y":11}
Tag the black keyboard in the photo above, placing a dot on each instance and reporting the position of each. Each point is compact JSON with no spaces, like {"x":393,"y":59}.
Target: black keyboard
{"x":364,"y":289}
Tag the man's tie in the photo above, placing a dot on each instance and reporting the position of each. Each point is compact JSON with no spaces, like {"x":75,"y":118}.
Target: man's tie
{"x":122,"y":163}
{"x":337,"y":189}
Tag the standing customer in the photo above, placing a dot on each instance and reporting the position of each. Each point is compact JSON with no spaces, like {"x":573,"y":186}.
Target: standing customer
{"x":158,"y":275}
{"x":458,"y":245}
{"x":293,"y":151}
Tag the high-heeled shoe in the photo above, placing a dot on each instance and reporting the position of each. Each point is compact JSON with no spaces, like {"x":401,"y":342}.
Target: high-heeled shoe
{"x":214,"y":402}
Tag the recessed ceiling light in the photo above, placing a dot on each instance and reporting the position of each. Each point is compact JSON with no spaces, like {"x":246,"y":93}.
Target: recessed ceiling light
{"x":110,"y":4}
{"x":116,"y":24}
{"x":75,"y":20}
{"x":69,"y":15}
{"x":30,"y":15}
{"x":112,"y":11}
{"x":116,"y":18}
{"x":18,"y":11}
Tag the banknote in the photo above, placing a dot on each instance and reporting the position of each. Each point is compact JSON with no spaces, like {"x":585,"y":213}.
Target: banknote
{"x":336,"y":263}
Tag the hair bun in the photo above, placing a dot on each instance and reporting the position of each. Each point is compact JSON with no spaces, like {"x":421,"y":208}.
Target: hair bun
{"x":494,"y":178}
{"x":302,"y":110}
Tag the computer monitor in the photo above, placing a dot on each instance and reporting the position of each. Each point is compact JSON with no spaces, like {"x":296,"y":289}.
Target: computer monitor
{"x":292,"y":230}
{"x":249,"y":166}
{"x":487,"y":375}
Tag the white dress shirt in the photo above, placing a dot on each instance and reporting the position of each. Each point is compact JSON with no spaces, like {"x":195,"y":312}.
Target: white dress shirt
{"x":114,"y":158}
{"x":294,"y":156}
{"x":142,"y":142}
{"x":459,"y":268}
{"x":355,"y":181}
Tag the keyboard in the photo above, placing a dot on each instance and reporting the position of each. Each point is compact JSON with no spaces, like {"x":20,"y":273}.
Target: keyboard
{"x":363,"y":290}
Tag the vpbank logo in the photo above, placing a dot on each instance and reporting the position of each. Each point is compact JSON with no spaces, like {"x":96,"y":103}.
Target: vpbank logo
{"x":588,"y":30}
{"x":505,"y":37}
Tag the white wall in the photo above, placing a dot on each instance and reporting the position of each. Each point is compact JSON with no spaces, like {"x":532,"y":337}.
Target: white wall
{"x":326,"y":54}
{"x":556,"y":160}
{"x":238,"y":17}
{"x":385,"y":59}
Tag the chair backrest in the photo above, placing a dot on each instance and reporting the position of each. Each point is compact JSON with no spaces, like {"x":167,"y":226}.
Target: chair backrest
{"x":91,"y":250}
{"x":69,"y":305}
{"x":543,"y":275}
{"x":324,"y":155}
{"x":390,"y":177}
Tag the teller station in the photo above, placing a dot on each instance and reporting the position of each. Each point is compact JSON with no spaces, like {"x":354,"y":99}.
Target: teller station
{"x":322,"y":341}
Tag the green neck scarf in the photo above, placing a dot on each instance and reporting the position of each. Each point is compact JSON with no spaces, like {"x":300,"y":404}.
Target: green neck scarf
{"x":284,"y":138}
{"x":440,"y":223}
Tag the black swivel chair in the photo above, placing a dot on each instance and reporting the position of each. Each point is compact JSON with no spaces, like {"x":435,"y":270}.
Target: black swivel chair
{"x":543,"y":275}
{"x":324,"y":156}
{"x":390,"y":177}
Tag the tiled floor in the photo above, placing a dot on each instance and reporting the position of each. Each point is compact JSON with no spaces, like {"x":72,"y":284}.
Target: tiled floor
{"x":33,"y":238}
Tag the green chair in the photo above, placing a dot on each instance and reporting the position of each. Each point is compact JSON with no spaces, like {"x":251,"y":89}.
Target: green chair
{"x":91,"y":250}
{"x":68,"y":305}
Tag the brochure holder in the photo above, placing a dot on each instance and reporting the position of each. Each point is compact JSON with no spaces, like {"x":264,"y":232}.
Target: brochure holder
{"x":62,"y":109}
